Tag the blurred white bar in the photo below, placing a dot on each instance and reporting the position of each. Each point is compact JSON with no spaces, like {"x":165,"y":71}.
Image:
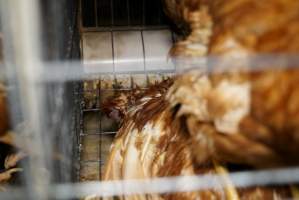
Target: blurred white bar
{"x":162,"y":185}
{"x":21,"y":18}
{"x":176,"y":184}
{"x":60,"y":71}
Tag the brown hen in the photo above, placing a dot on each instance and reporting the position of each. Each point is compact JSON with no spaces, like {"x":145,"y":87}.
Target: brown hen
{"x":237,"y":117}
{"x":258,"y":111}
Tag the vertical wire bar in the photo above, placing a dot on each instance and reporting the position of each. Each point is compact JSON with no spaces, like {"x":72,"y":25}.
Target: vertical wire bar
{"x":131,"y":82}
{"x":100,"y":131}
{"x":143,"y":52}
{"x":80,"y":130}
{"x":128,"y":12}
{"x":143,"y":12}
{"x":96,"y":12}
{"x":112,"y":13}
{"x":22,"y":18}
{"x":81,"y":122}
{"x":173,"y":42}
{"x":113,"y":55}
{"x":172,"y":37}
{"x":160,"y":13}
{"x":80,"y":15}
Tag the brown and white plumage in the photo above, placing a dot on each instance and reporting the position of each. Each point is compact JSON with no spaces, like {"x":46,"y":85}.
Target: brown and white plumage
{"x":237,"y":117}
{"x":192,"y":16}
{"x":154,"y":141}
{"x":267,"y":102}
{"x":151,"y":143}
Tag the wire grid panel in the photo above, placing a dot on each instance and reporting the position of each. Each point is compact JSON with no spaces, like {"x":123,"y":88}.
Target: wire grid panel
{"x":97,"y":130}
{"x":98,"y":14}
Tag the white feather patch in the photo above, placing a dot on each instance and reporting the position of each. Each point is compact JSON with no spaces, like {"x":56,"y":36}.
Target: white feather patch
{"x":237,"y":95}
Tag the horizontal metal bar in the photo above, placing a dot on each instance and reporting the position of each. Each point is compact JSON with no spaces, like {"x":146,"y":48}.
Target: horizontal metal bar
{"x":123,"y":28}
{"x":91,"y":110}
{"x":82,"y":162}
{"x":164,"y":185}
{"x":71,"y":71}
{"x":99,"y":133}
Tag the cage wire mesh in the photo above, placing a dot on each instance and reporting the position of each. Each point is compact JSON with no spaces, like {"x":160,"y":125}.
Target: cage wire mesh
{"x":117,"y":27}
{"x":72,"y":137}
{"x":128,"y":14}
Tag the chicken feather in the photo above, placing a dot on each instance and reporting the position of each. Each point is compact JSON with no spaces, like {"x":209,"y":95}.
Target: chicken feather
{"x":237,"y":117}
{"x":263,"y":115}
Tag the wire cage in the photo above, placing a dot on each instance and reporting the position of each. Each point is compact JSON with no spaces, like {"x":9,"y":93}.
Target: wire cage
{"x":62,"y":61}
{"x":116,"y":26}
{"x":77,"y":135}
{"x":98,"y":15}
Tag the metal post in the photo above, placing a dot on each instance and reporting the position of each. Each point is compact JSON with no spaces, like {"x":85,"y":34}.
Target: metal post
{"x":22,"y":52}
